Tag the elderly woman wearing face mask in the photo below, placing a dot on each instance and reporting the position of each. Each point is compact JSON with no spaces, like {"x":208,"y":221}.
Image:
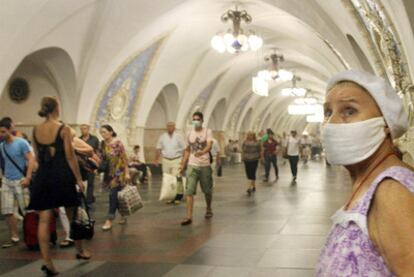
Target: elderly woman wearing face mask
{"x":373,"y":234}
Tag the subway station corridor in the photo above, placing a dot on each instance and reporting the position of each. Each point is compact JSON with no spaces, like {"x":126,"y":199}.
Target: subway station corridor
{"x":120,"y":99}
{"x":278,"y":231}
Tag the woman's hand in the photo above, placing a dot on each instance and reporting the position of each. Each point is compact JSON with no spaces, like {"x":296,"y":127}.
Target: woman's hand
{"x":81,"y":185}
{"x":127,"y":177}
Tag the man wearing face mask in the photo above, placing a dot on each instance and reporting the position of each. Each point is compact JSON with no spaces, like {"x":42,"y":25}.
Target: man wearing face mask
{"x":197,"y":153}
{"x":373,"y":232}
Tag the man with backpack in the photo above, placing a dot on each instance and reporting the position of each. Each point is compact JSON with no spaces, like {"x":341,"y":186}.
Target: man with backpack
{"x":18,"y":166}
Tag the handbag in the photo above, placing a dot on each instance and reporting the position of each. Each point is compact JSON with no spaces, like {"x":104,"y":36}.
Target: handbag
{"x":82,"y":226}
{"x":220,"y":171}
{"x":129,"y":200}
{"x":88,"y":163}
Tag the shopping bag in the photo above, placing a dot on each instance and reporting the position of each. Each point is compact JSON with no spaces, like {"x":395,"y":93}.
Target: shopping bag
{"x":129,"y":200}
{"x":169,"y":187}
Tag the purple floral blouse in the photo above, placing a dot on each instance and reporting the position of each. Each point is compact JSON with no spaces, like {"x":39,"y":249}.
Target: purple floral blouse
{"x":348,"y":250}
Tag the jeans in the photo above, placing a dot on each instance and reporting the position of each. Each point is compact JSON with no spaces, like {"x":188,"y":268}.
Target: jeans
{"x":251,"y":168}
{"x":91,"y":185}
{"x":271,"y":159}
{"x":293,"y":161}
{"x":113,"y":202}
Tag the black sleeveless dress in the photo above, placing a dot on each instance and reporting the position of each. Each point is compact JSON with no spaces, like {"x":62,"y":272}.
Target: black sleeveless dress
{"x":54,"y":184}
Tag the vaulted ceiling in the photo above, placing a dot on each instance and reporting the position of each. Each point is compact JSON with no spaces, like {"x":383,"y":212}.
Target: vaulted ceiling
{"x":317,"y":38}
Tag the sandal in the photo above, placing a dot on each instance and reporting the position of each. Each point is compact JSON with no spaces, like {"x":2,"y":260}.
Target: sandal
{"x":106,"y":227}
{"x":66,"y":243}
{"x":209,"y":214}
{"x":83,"y":257}
{"x":123,"y":221}
{"x":186,"y":222}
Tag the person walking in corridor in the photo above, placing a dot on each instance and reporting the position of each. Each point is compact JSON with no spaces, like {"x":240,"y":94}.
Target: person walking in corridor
{"x":372,"y":234}
{"x":292,"y":149}
{"x":197,"y":153}
{"x":171,"y":147}
{"x":18,"y":164}
{"x":117,"y":173}
{"x":251,"y":154}
{"x":55,"y":182}
{"x":270,"y":155}
{"x":93,"y":141}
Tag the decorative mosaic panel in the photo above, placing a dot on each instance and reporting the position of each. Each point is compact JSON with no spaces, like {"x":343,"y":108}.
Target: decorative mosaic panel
{"x":120,"y":95}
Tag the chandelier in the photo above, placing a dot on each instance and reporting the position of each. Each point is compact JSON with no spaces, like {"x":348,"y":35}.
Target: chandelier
{"x":261,"y":81}
{"x":294,"y":91}
{"x":275,"y":74}
{"x":308,"y":106}
{"x":235,"y":40}
{"x":260,"y":86}
{"x":305,"y":109}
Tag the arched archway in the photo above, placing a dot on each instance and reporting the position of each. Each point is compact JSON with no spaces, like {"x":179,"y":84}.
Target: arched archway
{"x":216,"y":120}
{"x":48,"y":72}
{"x":163,"y":110}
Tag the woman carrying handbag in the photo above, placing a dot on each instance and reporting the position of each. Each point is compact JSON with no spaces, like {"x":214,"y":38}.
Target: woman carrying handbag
{"x":116,"y":172}
{"x":55,"y":183}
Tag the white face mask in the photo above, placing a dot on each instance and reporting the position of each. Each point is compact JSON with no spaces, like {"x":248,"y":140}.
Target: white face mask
{"x":196,"y":123}
{"x":350,"y":143}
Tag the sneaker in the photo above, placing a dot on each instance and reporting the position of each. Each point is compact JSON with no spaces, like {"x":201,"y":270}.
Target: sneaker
{"x":11,"y":243}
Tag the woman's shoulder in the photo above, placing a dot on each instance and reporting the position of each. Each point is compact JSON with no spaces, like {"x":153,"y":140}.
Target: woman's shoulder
{"x":397,"y":184}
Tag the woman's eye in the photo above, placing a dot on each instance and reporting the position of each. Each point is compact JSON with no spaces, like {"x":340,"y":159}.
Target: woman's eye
{"x":349,"y":111}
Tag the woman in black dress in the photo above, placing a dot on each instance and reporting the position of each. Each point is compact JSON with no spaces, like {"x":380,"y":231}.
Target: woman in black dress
{"x":55,"y":183}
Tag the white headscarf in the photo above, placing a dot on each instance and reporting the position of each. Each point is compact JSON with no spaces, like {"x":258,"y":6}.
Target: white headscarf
{"x":390,"y":104}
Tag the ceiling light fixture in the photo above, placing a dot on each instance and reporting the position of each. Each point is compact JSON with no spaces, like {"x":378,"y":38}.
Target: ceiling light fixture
{"x":274,"y":73}
{"x":294,"y":91}
{"x":235,"y":40}
{"x":260,"y":86}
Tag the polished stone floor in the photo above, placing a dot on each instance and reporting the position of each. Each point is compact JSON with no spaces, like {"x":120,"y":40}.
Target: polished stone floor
{"x":278,"y":231}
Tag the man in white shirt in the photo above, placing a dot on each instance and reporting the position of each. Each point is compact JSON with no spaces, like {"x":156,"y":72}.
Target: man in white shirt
{"x":171,"y":147}
{"x":293,"y":143}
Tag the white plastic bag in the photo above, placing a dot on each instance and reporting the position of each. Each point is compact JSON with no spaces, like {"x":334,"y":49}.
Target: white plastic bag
{"x":169,"y":187}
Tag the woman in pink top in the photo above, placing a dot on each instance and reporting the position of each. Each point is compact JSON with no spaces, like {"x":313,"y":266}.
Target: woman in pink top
{"x":373,"y":234}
